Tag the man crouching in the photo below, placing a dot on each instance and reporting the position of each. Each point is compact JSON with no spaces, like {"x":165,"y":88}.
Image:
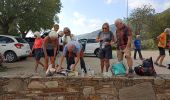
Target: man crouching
{"x":73,"y":53}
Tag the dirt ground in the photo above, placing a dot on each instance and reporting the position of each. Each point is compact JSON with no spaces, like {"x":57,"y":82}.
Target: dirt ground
{"x":26,"y":67}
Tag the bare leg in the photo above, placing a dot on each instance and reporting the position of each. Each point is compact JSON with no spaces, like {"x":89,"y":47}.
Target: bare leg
{"x":161,"y":59}
{"x":158,"y":59}
{"x":107,"y":64}
{"x":46,"y":63}
{"x":52,"y":61}
{"x":102,"y":65}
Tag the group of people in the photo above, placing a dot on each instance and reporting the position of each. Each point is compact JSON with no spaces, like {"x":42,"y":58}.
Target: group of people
{"x":73,"y":51}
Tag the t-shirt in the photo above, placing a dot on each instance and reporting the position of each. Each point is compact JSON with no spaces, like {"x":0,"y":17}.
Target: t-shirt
{"x":77,"y":48}
{"x":106,"y":37}
{"x":162,"y":40}
{"x":38,"y":43}
{"x":122,"y":36}
{"x":137,"y":43}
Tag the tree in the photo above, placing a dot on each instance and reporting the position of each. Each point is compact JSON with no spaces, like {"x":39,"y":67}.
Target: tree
{"x":140,"y":18}
{"x":159,"y":23}
{"x":23,"y":15}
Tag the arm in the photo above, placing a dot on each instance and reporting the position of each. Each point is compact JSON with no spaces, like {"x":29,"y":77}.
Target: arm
{"x":98,"y":38}
{"x":77,"y":60}
{"x":129,"y":39}
{"x":45,"y":46}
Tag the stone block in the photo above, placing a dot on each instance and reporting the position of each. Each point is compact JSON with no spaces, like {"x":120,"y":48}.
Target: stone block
{"x":14,"y":85}
{"x":163,"y":96}
{"x":88,"y":90}
{"x":159,"y":81}
{"x":143,"y":91}
{"x":108,"y":91}
{"x":36,"y":85}
{"x":51,"y":84}
{"x":94,"y":97}
{"x":70,"y":89}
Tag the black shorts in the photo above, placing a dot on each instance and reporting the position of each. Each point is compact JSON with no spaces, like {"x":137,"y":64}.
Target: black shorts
{"x":50,"y":52}
{"x":105,"y":53}
{"x":38,"y":53}
{"x":161,"y":51}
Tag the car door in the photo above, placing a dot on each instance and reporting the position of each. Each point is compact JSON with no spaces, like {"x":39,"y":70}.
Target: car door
{"x":5,"y":44}
{"x":91,"y":46}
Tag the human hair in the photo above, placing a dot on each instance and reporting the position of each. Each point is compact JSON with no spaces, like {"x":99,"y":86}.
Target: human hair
{"x":167,"y":30}
{"x":55,"y":25}
{"x":66,"y":29}
{"x":60,"y":33}
{"x":118,"y":21}
{"x":105,"y":24}
{"x":37,"y":34}
{"x":53,"y":34}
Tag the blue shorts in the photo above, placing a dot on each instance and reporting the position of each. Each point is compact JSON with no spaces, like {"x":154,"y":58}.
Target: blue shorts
{"x":38,"y":53}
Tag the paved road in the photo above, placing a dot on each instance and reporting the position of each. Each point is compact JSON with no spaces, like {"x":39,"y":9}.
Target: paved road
{"x":26,"y":67}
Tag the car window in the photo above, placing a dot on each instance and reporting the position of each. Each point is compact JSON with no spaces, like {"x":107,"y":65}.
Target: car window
{"x":20,"y":40}
{"x":4,"y":39}
{"x":91,"y":41}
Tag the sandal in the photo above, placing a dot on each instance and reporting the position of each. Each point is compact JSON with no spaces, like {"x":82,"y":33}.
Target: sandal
{"x":162,"y":66}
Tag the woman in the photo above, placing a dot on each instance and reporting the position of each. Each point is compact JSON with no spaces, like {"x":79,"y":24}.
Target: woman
{"x":37,"y":48}
{"x":50,"y":47}
{"x":106,"y":38}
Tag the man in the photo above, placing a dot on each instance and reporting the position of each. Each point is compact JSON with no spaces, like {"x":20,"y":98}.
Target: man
{"x":50,"y":47}
{"x":162,"y":38}
{"x":71,"y":51}
{"x":137,"y":47}
{"x":124,"y":39}
{"x":106,"y":38}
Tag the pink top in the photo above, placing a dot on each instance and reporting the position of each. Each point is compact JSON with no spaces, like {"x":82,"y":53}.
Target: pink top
{"x":38,"y":43}
{"x":169,"y":44}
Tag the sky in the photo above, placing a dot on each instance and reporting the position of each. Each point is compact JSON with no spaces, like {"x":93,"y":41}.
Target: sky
{"x":85,"y":16}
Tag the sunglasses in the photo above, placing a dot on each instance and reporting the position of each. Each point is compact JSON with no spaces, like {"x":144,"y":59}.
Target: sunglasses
{"x":104,"y":28}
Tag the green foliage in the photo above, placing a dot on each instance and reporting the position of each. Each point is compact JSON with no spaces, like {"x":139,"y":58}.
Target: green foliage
{"x":24,"y":15}
{"x":160,"y":22}
{"x":149,"y":44}
{"x":140,"y":18}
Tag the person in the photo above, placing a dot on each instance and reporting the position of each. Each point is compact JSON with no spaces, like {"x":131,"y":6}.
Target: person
{"x":106,"y":38}
{"x":60,"y":35}
{"x":137,"y":47}
{"x":71,"y":51}
{"x":50,"y":47}
{"x":37,"y":48}
{"x":124,"y":39}
{"x":169,"y":52}
{"x":161,"y":46}
{"x":67,"y":36}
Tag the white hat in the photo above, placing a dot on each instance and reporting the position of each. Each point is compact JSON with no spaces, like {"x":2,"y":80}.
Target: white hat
{"x":37,"y":34}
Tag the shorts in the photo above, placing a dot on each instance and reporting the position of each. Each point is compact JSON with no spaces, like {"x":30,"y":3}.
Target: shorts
{"x":105,"y":53}
{"x":161,"y":51}
{"x":50,"y":52}
{"x":38,"y":53}
{"x":121,"y":54}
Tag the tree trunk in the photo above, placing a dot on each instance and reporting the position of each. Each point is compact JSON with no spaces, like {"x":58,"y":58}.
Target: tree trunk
{"x":5,"y":28}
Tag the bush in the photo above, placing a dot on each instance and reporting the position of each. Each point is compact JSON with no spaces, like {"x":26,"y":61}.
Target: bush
{"x":149,"y":44}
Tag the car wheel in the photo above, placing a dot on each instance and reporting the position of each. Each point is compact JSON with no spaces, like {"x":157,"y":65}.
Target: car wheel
{"x":96,"y":52}
{"x":10,"y":56}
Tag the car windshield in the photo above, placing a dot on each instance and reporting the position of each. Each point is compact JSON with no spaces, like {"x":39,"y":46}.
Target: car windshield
{"x":20,"y":40}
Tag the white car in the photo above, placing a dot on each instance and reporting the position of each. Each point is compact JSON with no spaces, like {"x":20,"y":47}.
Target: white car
{"x":12,"y":48}
{"x":90,"y":46}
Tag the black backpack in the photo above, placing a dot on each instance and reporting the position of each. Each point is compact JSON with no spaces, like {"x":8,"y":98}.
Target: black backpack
{"x":146,"y":69}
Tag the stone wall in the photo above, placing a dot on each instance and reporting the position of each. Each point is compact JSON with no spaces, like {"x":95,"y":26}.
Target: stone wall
{"x":65,"y":88}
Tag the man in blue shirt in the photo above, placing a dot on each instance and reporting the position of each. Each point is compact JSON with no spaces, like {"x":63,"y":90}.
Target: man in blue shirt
{"x":73,"y":50}
{"x":137,"y":47}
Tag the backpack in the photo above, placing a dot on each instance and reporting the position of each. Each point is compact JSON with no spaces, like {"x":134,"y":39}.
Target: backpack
{"x":118,"y":69}
{"x":146,"y":69}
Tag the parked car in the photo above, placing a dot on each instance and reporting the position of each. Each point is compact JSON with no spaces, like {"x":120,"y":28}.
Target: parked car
{"x":90,"y":46}
{"x":13,"y":48}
